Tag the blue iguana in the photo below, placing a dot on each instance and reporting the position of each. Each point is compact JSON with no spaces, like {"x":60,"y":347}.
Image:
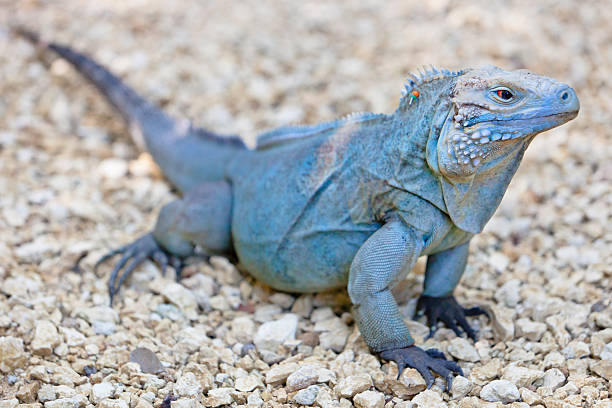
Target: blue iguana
{"x":350,"y":203}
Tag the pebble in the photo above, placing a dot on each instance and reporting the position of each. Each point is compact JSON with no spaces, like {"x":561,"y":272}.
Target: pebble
{"x":188,"y":385}
{"x":429,"y":399}
{"x":101,"y":391}
{"x":526,"y":328}
{"x":280,"y":372}
{"x":12,"y":354}
{"x":147,"y":360}
{"x":461,"y":387}
{"x":9,"y":403}
{"x":500,"y":390}
{"x":219,"y":396}
{"x":352,"y":385}
{"x":521,"y":376}
{"x":63,"y":403}
{"x":185,"y":403}
{"x":307,"y":396}
{"x":178,"y":295}
{"x":254,"y":400}
{"x":602,"y":368}
{"x":248,"y":383}
{"x":305,"y":376}
{"x":369,"y":399}
{"x":272,"y":334}
{"x":553,"y":379}
{"x":27,"y":393}
{"x":462,"y":349}
{"x":46,"y":338}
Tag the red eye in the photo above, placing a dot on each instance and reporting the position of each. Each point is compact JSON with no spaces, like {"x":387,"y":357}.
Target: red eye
{"x":504,"y":94}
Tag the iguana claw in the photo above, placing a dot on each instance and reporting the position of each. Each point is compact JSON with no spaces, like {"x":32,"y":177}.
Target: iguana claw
{"x":447,"y":310}
{"x":425,"y":362}
{"x":138,"y":251}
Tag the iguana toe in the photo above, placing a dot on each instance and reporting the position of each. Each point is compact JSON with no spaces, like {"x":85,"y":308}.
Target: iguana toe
{"x":132,"y":256}
{"x":426,"y":362}
{"x":448,"y":311}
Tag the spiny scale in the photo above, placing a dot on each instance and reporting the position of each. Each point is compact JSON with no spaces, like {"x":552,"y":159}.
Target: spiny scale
{"x":425,"y":75}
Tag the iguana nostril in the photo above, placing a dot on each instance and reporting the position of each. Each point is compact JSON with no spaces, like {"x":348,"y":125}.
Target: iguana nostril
{"x":565,"y":95}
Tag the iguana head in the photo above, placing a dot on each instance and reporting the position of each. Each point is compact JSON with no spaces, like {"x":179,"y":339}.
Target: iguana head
{"x":493,"y":116}
{"x":477,"y":125}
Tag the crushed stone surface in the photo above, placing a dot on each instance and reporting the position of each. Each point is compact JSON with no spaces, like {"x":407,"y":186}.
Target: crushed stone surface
{"x":74,"y":185}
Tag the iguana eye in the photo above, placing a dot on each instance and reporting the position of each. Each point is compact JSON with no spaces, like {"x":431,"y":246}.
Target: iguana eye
{"x":502,"y":94}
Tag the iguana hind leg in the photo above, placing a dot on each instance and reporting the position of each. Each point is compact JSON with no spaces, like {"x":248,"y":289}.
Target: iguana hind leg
{"x":201,"y":217}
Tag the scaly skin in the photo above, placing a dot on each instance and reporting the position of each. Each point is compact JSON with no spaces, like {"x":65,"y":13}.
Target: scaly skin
{"x":352,"y":203}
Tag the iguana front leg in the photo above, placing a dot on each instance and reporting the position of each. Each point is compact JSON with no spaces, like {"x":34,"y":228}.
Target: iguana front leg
{"x":443,"y":272}
{"x":202,"y":217}
{"x":381,"y":262}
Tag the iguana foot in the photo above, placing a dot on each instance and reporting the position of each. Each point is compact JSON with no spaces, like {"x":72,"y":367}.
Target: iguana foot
{"x":138,"y":251}
{"x":425,"y":362}
{"x":447,"y":310}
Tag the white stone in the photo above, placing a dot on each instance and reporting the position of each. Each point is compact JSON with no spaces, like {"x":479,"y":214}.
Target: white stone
{"x":500,"y":390}
{"x":461,"y":387}
{"x":369,"y":399}
{"x":509,"y":293}
{"x":220,"y":396}
{"x":463,"y":350}
{"x":272,"y":334}
{"x":429,"y":399}
{"x":9,"y":403}
{"x":62,"y":403}
{"x":280,"y":372}
{"x":307,"y":396}
{"x":12,"y":354}
{"x":529,"y":329}
{"x":553,"y":379}
{"x":46,"y":338}
{"x":254,"y":400}
{"x":101,"y":391}
{"x":185,"y":403}
{"x":521,"y":376}
{"x":305,"y":376}
{"x":178,"y":295}
{"x":188,"y":385}
{"x":352,"y":385}
{"x":248,"y":383}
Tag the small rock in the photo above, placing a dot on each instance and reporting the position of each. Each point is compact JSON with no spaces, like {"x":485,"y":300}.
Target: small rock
{"x":101,"y":391}
{"x":243,"y":329}
{"x":429,"y":399}
{"x":220,"y":396}
{"x":352,"y":385}
{"x":410,"y":382}
{"x":188,"y":385}
{"x":463,"y":350}
{"x":530,"y":397}
{"x":46,"y":393}
{"x":521,"y":376}
{"x":248,"y":383}
{"x":509,"y":293}
{"x":369,"y":399}
{"x":12,"y":354}
{"x":27,"y":392}
{"x":148,"y":361}
{"x":112,"y":403}
{"x":553,"y":379}
{"x":63,"y":403}
{"x":254,"y":400}
{"x":98,"y":313}
{"x":529,"y":329}
{"x":302,"y":306}
{"x":185,"y":403}
{"x":113,"y":168}
{"x":307,"y":396}
{"x":46,"y":338}
{"x":602,"y":368}
{"x":305,"y":376}
{"x":501,"y":319}
{"x":272,"y":334}
{"x":178,"y":295}
{"x":500,"y":390}
{"x":104,"y":328}
{"x":9,"y":403}
{"x":280,"y":372}
{"x":461,"y":387}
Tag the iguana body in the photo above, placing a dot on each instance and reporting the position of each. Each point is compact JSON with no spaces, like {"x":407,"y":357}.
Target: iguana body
{"x":351,"y":203}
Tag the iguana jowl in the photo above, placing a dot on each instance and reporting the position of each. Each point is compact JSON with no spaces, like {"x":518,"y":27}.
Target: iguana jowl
{"x":351,"y":203}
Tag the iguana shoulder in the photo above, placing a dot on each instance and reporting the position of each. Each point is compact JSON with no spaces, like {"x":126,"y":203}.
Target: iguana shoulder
{"x":288,"y":134}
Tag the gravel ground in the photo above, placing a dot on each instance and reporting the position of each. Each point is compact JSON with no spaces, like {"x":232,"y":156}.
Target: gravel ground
{"x":73,"y":185}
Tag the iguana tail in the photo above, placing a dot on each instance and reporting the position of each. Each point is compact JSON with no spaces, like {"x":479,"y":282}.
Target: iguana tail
{"x":187,"y":155}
